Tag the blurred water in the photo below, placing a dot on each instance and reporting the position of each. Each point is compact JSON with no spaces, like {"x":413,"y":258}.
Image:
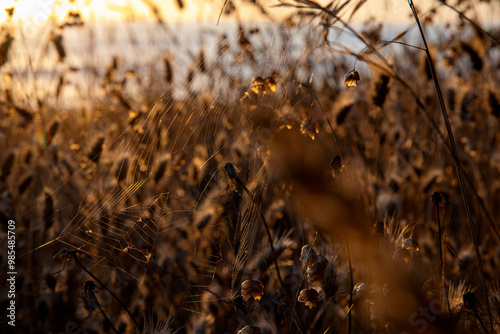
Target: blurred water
{"x":141,"y":47}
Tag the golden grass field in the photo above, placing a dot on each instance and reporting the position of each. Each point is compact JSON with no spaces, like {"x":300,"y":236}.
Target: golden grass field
{"x":295,"y":174}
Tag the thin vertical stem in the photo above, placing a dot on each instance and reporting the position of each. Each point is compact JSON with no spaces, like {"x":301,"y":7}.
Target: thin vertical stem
{"x":454,"y":152}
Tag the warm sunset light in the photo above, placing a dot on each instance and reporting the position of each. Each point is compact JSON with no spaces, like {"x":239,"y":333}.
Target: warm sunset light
{"x":175,"y":10}
{"x":196,"y":10}
{"x":250,"y":166}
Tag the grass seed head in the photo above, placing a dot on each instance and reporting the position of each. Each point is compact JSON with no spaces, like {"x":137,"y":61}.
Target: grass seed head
{"x":410,"y":244}
{"x":309,"y":297}
{"x":316,"y":272}
{"x":308,"y":255}
{"x":360,"y":290}
{"x":309,"y":128}
{"x":252,"y":289}
{"x":402,"y":255}
{"x":351,"y":78}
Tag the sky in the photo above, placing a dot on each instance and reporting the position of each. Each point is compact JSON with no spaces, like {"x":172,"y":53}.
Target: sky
{"x":35,"y":11}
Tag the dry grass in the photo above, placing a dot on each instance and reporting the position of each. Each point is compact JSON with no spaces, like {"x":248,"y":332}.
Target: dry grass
{"x":252,"y":190}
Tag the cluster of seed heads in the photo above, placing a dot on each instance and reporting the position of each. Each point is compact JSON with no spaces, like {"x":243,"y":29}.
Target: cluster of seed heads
{"x":316,"y":265}
{"x":252,"y":289}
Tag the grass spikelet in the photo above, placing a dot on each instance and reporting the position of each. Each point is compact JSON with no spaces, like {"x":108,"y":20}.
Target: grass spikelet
{"x":381,"y":90}
{"x":493,"y":104}
{"x":57,"y":39}
{"x":25,"y":114}
{"x":157,"y":327}
{"x":343,"y":113}
{"x":51,"y":132}
{"x":180,"y":4}
{"x":96,"y":150}
{"x":48,"y":211}
{"x":160,"y":170}
{"x":5,"y":47}
{"x":201,"y":64}
{"x":169,"y":73}
{"x":25,"y":183}
{"x":7,"y":165}
{"x":477,"y":62}
{"x":122,"y":169}
{"x":10,"y":11}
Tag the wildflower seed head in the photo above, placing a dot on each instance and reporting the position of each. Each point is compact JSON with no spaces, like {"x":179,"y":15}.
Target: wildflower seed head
{"x":309,"y":128}
{"x":271,"y":84}
{"x":309,"y":297}
{"x":252,"y":289}
{"x":351,"y":78}
{"x":316,"y":272}
{"x":360,"y":290}
{"x":10,"y":11}
{"x":402,"y":255}
{"x":411,"y":244}
{"x":308,"y":255}
{"x":330,"y":283}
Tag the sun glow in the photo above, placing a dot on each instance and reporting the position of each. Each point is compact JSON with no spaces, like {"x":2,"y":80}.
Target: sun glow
{"x":109,"y":10}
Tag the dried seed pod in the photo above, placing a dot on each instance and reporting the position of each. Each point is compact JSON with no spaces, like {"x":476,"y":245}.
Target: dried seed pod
{"x":316,"y":272}
{"x":308,"y":255}
{"x":402,"y":254}
{"x":10,"y":11}
{"x":258,"y":85}
{"x":411,"y":244}
{"x":309,"y":128}
{"x":252,"y":289}
{"x":271,"y":84}
{"x":249,"y":330}
{"x":351,"y":78}
{"x":360,"y":290}
{"x":309,"y":297}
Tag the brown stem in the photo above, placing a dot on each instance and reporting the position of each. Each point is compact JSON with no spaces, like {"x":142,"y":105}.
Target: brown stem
{"x":454,"y":152}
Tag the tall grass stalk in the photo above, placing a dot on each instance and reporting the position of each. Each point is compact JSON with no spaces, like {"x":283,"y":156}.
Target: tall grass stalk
{"x":79,"y":264}
{"x":454,"y":152}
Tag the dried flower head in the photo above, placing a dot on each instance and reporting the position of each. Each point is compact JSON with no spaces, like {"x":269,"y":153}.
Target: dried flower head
{"x":316,"y":272}
{"x":258,"y":85}
{"x":264,"y":85}
{"x":411,"y":244}
{"x":249,"y":330}
{"x":360,"y":290}
{"x":271,"y":84}
{"x":309,"y":128}
{"x":308,"y":255}
{"x":252,"y":289}
{"x":401,"y":255}
{"x":351,"y":78}
{"x":10,"y":11}
{"x":309,"y":297}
